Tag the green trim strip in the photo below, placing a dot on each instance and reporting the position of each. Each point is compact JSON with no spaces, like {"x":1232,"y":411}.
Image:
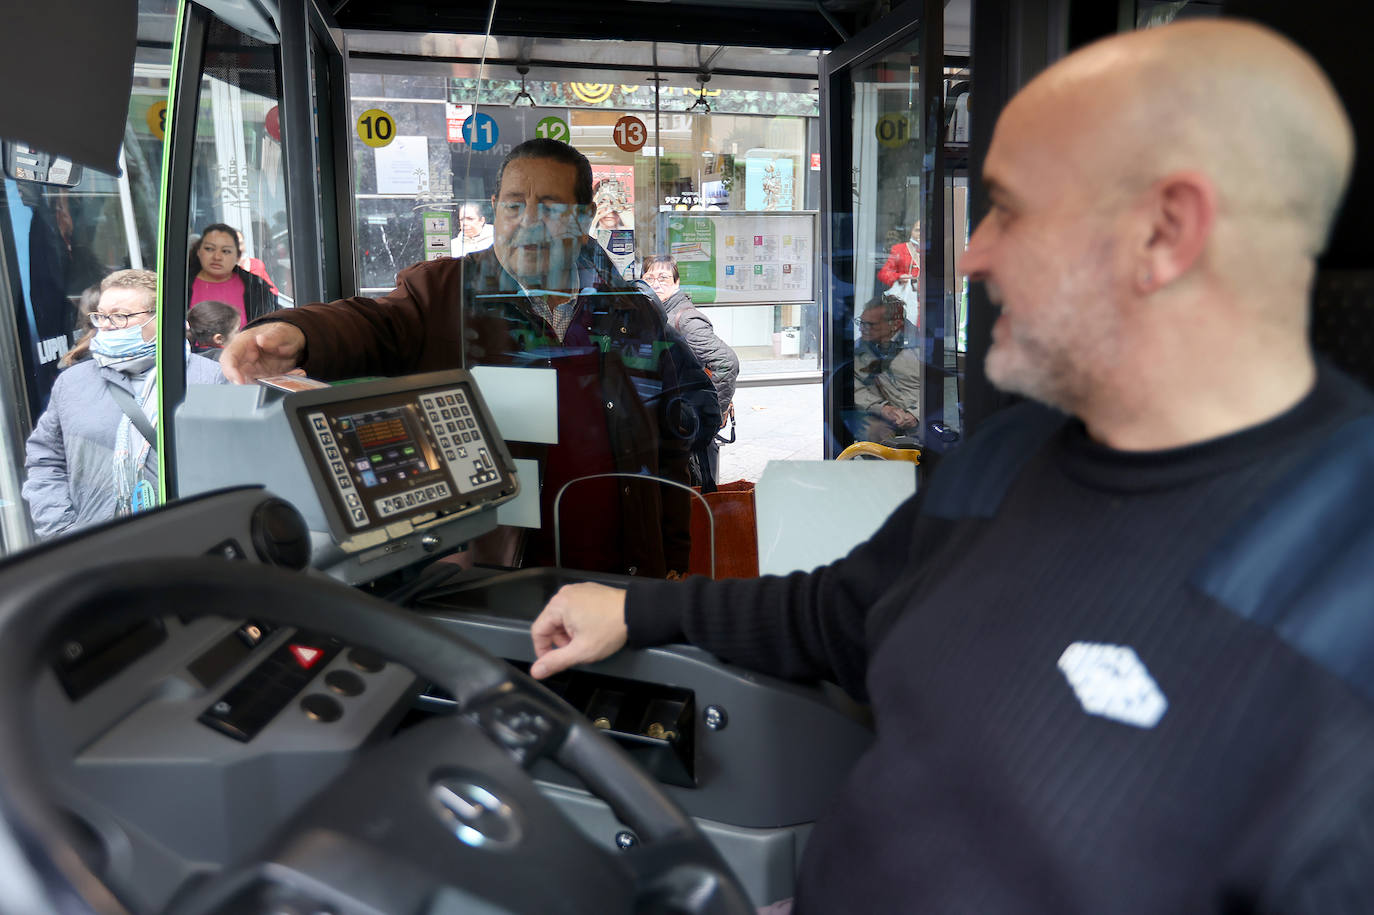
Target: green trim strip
{"x":162,"y":236}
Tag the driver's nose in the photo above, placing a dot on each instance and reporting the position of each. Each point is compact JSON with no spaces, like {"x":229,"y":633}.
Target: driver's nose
{"x":974,"y":263}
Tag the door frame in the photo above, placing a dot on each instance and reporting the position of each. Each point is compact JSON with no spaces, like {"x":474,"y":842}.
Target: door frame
{"x":317,"y":172}
{"x":837,"y":189}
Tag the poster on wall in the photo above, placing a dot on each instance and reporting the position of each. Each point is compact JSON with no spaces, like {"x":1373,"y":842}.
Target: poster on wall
{"x":743,"y":258}
{"x":613,"y":219}
{"x":403,"y":166}
{"x":692,"y":241}
{"x":767,"y":183}
{"x":437,"y":225}
{"x":454,"y":116}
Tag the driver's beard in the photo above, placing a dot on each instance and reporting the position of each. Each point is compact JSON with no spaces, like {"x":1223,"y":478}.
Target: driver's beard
{"x":1026,"y":367}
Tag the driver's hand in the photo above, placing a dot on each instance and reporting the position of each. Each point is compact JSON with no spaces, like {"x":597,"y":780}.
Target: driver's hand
{"x":581,"y":624}
{"x":269,"y":349}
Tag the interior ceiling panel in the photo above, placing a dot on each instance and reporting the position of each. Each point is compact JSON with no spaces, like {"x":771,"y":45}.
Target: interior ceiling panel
{"x":545,"y":55}
{"x":812,"y":24}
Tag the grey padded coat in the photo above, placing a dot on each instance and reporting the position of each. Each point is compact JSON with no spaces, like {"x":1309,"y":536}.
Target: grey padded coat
{"x":69,"y":458}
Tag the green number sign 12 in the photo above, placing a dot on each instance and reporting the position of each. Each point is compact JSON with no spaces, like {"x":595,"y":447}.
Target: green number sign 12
{"x":553,"y":128}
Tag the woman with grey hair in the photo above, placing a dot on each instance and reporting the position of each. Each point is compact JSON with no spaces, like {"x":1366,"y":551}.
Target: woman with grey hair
{"x":93,"y":454}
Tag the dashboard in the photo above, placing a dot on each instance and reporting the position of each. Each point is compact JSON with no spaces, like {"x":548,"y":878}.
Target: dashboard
{"x":179,"y":743}
{"x":180,"y":746}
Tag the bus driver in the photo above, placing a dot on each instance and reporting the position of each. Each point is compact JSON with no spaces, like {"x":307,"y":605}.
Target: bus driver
{"x":1119,"y":660}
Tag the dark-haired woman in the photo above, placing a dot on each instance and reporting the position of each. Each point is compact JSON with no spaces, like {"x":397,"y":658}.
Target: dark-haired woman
{"x":215,"y":275}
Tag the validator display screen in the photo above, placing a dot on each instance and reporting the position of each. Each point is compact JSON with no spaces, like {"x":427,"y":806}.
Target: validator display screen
{"x":385,"y":445}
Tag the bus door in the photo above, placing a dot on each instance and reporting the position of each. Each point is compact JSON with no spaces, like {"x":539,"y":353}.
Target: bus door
{"x":256,"y":105}
{"x":891,"y":305}
{"x":82,"y":151}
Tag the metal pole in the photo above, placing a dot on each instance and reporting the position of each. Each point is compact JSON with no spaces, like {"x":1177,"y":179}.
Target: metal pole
{"x":126,"y":209}
{"x":658,"y":152}
{"x":932,"y":76}
{"x":298,"y":155}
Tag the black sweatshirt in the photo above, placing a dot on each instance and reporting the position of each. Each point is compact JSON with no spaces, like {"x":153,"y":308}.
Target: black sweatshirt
{"x":1102,"y":681}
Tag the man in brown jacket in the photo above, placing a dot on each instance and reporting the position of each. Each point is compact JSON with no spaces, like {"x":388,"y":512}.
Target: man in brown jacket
{"x":542,"y":296}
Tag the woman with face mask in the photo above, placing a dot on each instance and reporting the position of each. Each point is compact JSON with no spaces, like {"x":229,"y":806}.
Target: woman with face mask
{"x":89,"y":459}
{"x":214,"y":274}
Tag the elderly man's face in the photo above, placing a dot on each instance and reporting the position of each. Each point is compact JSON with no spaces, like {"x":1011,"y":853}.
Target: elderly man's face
{"x":536,"y":232}
{"x":876,"y":327}
{"x":1047,"y":252}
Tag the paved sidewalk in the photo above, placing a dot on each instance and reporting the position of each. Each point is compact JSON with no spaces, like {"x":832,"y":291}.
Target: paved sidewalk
{"x":780,"y":422}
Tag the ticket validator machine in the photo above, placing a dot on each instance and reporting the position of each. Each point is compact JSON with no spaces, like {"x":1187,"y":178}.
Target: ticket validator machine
{"x":385,"y":473}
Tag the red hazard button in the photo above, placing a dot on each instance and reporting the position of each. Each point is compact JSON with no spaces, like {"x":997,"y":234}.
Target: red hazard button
{"x":306,"y":656}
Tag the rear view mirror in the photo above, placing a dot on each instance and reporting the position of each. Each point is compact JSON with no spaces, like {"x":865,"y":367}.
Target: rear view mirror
{"x":23,"y":163}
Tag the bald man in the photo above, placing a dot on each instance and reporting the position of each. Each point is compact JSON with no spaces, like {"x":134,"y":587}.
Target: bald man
{"x":1119,"y":652}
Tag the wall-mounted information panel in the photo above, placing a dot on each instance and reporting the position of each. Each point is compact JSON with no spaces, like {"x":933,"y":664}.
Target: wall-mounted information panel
{"x":744,"y":258}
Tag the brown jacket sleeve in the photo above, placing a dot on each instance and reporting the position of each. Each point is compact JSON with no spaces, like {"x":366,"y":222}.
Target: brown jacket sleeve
{"x":416,"y":327}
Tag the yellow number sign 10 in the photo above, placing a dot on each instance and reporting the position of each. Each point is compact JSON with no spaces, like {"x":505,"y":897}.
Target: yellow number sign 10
{"x":376,"y":128}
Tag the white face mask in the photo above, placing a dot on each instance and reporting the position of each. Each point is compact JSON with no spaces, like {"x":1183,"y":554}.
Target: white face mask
{"x":120,"y":343}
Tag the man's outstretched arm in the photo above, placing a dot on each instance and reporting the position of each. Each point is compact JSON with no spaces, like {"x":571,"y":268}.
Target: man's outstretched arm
{"x":416,"y":324}
{"x":261,"y":351}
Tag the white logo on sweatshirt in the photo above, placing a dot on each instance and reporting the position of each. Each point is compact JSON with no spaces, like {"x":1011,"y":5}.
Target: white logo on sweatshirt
{"x":1111,"y":681}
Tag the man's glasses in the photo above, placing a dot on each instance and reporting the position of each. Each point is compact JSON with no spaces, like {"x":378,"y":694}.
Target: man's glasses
{"x":551,"y":211}
{"x":116,"y":320}
{"x":860,"y":322}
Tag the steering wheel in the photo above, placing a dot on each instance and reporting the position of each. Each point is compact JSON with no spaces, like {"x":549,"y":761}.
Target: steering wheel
{"x":443,"y":817}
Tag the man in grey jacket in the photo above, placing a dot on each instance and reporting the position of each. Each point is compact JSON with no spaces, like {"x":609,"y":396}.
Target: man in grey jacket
{"x":87,"y":460}
{"x":887,"y":374}
{"x":714,"y":354}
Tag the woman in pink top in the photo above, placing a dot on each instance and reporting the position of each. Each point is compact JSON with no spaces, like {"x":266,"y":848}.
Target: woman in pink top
{"x":215,"y":276}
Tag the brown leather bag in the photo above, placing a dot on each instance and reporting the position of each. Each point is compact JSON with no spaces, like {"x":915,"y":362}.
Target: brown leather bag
{"x":736,"y":523}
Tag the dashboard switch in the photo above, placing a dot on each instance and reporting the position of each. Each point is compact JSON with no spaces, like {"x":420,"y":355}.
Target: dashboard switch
{"x":251,"y":633}
{"x":320,"y":707}
{"x":366,"y":661}
{"x":250,"y":705}
{"x":345,"y":682}
{"x":521,"y":726}
{"x":306,"y":656}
